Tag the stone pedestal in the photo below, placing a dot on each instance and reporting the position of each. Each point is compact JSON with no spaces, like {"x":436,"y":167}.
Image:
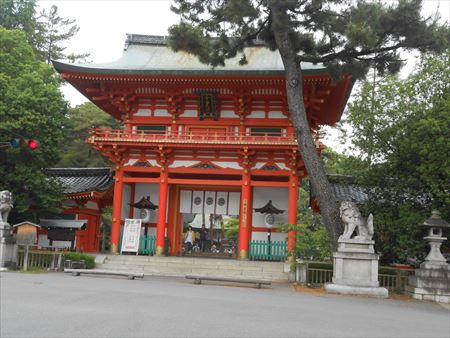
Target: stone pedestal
{"x":355,"y":269}
{"x":432,"y":280}
{"x":8,"y":248}
{"x":430,"y":283}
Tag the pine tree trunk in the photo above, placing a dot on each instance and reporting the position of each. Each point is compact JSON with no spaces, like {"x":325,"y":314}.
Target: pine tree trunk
{"x":294,"y":85}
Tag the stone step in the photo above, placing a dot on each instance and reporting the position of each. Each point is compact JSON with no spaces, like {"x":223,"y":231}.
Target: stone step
{"x":205,"y":261}
{"x":173,"y":266}
{"x":178,"y":264}
{"x":181,"y":272}
{"x":181,"y":266}
{"x":250,"y":265}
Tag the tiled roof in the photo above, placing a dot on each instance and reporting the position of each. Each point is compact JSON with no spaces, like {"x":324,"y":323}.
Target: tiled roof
{"x":349,"y":193}
{"x":150,"y":55}
{"x":345,"y":189}
{"x":78,"y":180}
{"x":63,"y":223}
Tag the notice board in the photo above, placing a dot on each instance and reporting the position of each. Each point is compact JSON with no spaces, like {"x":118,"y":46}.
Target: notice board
{"x":131,"y":234}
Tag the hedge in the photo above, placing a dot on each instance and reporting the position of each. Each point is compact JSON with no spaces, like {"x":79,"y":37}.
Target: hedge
{"x":78,"y":256}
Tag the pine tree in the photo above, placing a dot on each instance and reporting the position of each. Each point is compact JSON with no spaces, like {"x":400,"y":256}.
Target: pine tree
{"x":57,"y":31}
{"x":346,"y":36}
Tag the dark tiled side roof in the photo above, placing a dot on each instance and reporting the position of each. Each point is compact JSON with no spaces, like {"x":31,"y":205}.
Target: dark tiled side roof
{"x":78,"y":180}
{"x":345,"y":189}
{"x":63,"y":223}
{"x":349,"y":193}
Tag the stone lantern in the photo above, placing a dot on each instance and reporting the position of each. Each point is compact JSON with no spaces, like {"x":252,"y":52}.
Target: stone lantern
{"x":432,"y":280}
{"x":435,"y":225}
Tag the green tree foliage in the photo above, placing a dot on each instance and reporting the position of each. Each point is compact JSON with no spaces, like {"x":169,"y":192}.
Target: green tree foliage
{"x":402,"y":134}
{"x":340,"y":164}
{"x":346,"y":36}
{"x":312,"y":244}
{"x":313,"y":241}
{"x":47,"y":32}
{"x":31,"y":106}
{"x":231,"y":228}
{"x":75,"y":152}
{"x":21,"y":14}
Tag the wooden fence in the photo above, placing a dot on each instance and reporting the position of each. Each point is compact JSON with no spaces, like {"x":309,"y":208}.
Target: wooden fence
{"x":393,"y":282}
{"x":396,"y":282}
{"x":147,"y":245}
{"x":319,"y":276}
{"x":40,"y":259}
{"x":268,"y":250}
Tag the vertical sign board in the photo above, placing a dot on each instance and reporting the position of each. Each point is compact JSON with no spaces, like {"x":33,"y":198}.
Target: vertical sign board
{"x":131,"y":234}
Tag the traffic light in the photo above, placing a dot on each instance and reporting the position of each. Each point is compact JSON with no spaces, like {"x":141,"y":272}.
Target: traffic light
{"x":31,"y":143}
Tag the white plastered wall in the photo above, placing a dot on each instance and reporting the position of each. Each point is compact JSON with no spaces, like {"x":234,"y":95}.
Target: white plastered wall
{"x":126,"y":198}
{"x":279,"y":197}
{"x":262,"y":236}
{"x":144,"y":190}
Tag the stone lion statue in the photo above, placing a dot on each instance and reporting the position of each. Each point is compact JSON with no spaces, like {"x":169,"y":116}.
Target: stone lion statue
{"x":353,"y":220}
{"x":6,"y":204}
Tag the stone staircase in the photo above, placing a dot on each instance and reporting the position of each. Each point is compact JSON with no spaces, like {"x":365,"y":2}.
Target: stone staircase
{"x":182,"y":266}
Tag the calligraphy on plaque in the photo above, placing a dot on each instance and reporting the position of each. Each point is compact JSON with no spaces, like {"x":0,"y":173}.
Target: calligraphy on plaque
{"x":208,"y":105}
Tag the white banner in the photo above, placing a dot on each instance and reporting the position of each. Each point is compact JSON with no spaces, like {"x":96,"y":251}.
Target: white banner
{"x":222,"y":203}
{"x":131,"y":234}
{"x":210,"y":202}
{"x":198,"y":202}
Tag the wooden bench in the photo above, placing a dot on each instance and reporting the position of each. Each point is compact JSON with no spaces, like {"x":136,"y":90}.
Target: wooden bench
{"x":130,"y":275}
{"x":258,"y":282}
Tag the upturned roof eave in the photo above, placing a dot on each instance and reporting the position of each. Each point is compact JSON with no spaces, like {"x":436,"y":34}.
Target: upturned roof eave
{"x":62,"y":67}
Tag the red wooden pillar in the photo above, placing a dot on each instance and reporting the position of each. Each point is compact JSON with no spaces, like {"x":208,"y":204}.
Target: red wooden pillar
{"x":132,"y":193}
{"x":171,"y":218}
{"x":117,"y":210}
{"x":162,"y":206}
{"x":292,"y":212}
{"x":245,"y":217}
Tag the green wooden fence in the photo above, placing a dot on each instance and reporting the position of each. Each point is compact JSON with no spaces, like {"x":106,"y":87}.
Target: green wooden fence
{"x":147,"y":245}
{"x":268,"y":251}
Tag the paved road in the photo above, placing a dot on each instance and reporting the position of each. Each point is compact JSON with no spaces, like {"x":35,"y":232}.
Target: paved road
{"x":58,"y":305}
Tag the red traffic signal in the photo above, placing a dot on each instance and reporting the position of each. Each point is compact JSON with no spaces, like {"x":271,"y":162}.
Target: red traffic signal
{"x":31,"y":143}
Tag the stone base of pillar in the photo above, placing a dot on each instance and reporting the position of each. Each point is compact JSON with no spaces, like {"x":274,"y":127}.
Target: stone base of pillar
{"x":8,"y":254}
{"x":243,"y":254}
{"x":114,"y":249}
{"x":355,"y":269}
{"x":357,"y":290}
{"x":159,"y":251}
{"x":8,"y":248}
{"x":430,"y":282}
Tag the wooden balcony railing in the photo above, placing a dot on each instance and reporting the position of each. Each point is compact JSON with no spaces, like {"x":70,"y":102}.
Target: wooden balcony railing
{"x":99,"y":135}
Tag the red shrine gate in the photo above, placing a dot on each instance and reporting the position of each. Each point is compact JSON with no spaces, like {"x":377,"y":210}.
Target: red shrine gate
{"x":188,"y":127}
